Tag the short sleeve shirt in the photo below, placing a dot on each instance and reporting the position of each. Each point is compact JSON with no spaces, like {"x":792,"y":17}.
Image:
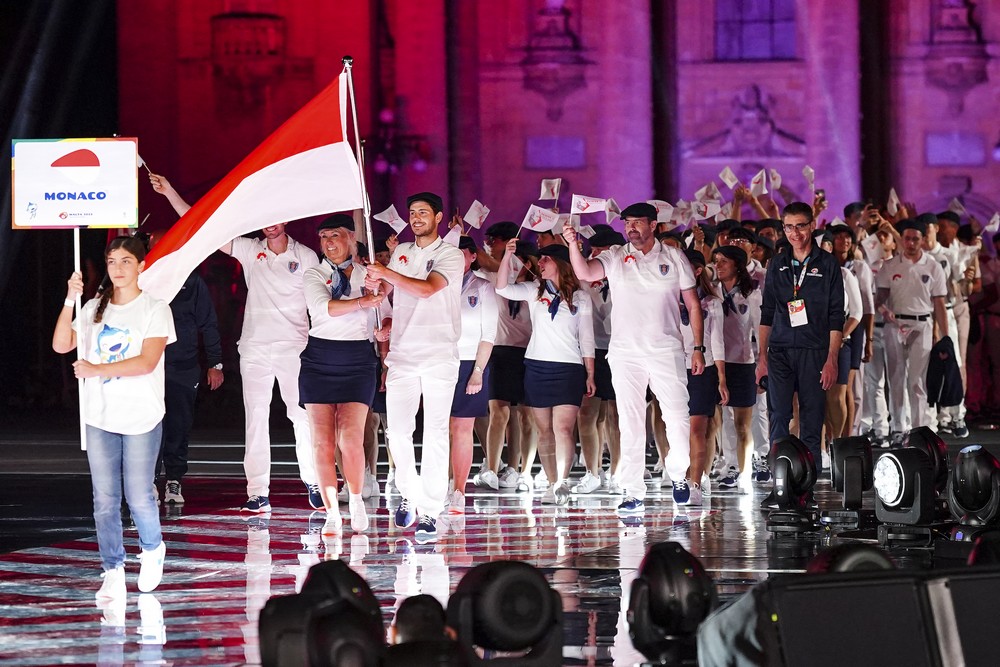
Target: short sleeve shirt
{"x":567,"y":337}
{"x":429,"y":327}
{"x":276,"y":304}
{"x":357,"y":324}
{"x":912,"y":285}
{"x":646,"y":290}
{"x":479,"y":315}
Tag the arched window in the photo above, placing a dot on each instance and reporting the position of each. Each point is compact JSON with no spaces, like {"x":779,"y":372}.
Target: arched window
{"x":755,"y":30}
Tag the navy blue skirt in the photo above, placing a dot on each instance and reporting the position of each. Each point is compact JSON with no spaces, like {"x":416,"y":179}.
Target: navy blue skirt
{"x":551,"y":383}
{"x":337,"y":371}
{"x":844,"y":361}
{"x":858,"y":337}
{"x":507,"y":378}
{"x":703,"y":392}
{"x":471,"y":405}
{"x":602,"y":377}
{"x":742,"y":384}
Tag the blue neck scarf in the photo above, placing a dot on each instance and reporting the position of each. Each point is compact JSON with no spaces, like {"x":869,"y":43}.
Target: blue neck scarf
{"x":556,"y":300}
{"x":340,"y":285}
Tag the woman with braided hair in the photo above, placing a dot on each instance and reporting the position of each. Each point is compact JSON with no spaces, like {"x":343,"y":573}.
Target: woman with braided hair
{"x":122,"y":335}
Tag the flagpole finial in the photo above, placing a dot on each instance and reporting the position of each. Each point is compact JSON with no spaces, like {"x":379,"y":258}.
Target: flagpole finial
{"x":347,"y":60}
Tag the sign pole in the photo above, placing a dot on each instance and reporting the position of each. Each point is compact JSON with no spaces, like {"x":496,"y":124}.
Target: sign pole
{"x":79,"y":339}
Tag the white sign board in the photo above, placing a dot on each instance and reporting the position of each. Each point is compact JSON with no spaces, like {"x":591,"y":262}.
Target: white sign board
{"x":60,"y":183}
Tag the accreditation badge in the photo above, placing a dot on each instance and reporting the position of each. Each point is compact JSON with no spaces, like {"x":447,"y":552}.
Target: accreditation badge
{"x":797,"y":313}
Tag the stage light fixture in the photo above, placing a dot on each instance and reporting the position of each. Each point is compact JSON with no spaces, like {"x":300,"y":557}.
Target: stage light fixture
{"x":507,"y":606}
{"x":794,"y":472}
{"x":974,"y":493}
{"x":850,"y":557}
{"x":669,"y":599}
{"x":851,"y":473}
{"x":904,"y":497}
{"x":929,"y":442}
{"x":336,"y":619}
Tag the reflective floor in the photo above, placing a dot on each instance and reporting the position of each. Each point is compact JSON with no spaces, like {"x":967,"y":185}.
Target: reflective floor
{"x":223,"y":566}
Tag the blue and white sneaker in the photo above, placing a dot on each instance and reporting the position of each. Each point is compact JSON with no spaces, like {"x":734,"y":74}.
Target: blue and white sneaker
{"x":731,"y":480}
{"x":315,"y":497}
{"x":256,"y":504}
{"x":405,"y":516}
{"x":426,"y":529}
{"x":631,"y":505}
{"x":761,"y":472}
{"x":682,"y":492}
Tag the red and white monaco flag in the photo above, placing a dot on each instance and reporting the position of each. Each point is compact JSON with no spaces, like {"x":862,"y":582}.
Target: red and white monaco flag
{"x":305,"y":168}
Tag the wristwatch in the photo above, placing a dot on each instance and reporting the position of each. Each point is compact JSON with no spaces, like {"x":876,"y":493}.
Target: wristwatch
{"x":217,"y":367}
{"x":698,"y":348}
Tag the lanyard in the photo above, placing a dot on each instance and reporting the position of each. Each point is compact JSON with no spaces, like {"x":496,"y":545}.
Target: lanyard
{"x":798,"y":282}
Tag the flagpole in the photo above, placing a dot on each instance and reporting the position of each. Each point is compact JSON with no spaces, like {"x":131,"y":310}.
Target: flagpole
{"x":359,"y":153}
{"x":80,"y":342}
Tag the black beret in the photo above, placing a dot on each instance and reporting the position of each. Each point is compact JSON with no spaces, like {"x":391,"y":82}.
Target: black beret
{"x":555,"y":251}
{"x":842,"y":229}
{"x":742,"y":233}
{"x":853,"y":207}
{"x":362,"y":249}
{"x":337,"y":221}
{"x":639,"y":210}
{"x":910,"y":223}
{"x":773,"y":223}
{"x":467,"y":243}
{"x":664,"y":236}
{"x":504,"y":231}
{"x":927,"y":219}
{"x":734,"y":253}
{"x":605,"y":238}
{"x":695,"y":257}
{"x":525,"y":249}
{"x":380,"y":246}
{"x":428,"y":197}
{"x":766,"y":242}
{"x":728,"y":224}
{"x":601,"y":227}
{"x":950,"y":216}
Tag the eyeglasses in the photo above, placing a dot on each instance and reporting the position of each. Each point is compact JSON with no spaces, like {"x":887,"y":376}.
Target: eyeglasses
{"x":800,"y":227}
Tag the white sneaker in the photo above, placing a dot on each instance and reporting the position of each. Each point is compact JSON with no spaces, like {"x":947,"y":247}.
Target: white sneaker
{"x":541,"y":481}
{"x":696,"y":495}
{"x":370,"y":486}
{"x":508,"y":478}
{"x":523,"y":483}
{"x":152,"y":630}
{"x":172,"y":493}
{"x":613,"y":487}
{"x":561,"y":492}
{"x":605,"y":476}
{"x":333,"y":524}
{"x":359,"y":516}
{"x":658,"y":468}
{"x":549,"y":497}
{"x":588,"y":484}
{"x":826,"y":460}
{"x":646,"y":475}
{"x":344,"y":495}
{"x":665,"y":481}
{"x":390,"y":479}
{"x":113,"y":588}
{"x":156,"y":494}
{"x":487,"y":480}
{"x":151,"y":570}
{"x":456,"y":502}
{"x":706,"y":486}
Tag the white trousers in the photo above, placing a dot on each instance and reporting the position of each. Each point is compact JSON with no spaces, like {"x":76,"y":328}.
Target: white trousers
{"x":760,"y":428}
{"x":873,"y":404}
{"x":260,"y":366}
{"x":405,"y":383}
{"x":667,"y":377}
{"x":907,"y":353}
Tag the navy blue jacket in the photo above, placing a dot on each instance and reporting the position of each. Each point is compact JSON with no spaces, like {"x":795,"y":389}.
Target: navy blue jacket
{"x":823,"y":291}
{"x":193,"y":312}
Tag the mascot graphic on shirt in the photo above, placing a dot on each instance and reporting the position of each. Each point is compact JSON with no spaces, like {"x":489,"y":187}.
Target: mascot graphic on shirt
{"x":112,"y":344}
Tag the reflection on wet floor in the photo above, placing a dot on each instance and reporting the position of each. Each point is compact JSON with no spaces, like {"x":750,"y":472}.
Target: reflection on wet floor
{"x":222,"y":567}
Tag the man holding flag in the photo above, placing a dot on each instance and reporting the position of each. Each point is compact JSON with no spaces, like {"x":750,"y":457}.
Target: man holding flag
{"x":426,"y":323}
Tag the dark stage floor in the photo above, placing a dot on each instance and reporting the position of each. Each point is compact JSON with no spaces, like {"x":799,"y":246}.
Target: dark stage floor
{"x":222,"y":567}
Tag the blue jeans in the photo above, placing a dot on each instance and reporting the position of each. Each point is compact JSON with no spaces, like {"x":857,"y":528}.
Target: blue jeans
{"x":114,"y":457}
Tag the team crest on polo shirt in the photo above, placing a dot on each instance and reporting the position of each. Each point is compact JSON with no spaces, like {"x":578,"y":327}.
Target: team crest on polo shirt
{"x":403,"y":259}
{"x":262,"y":257}
{"x":925,"y":278}
{"x":629,"y":258}
{"x":743,"y":309}
{"x":430,"y":264}
{"x":547,"y":301}
{"x":473,"y":300}
{"x":293,"y":267}
{"x":664,"y":269}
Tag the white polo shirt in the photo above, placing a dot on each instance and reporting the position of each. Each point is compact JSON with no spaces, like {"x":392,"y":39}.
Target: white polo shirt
{"x":426,"y":328}
{"x":912,"y":285}
{"x":866,"y":283}
{"x":740,"y":324}
{"x":715,"y":344}
{"x":852,"y":295}
{"x":512,"y":331}
{"x":600,"y":297}
{"x":646,"y":290}
{"x":479,"y":315}
{"x":948,"y":259}
{"x":276,"y":304}
{"x":358,"y":324}
{"x":568,"y":337}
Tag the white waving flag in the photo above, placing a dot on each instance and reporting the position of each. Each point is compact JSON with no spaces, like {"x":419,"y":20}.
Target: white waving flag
{"x":892,"y":206}
{"x":477,"y":214}
{"x":729,"y":178}
{"x":775,"y":179}
{"x":664,"y":210}
{"x":539,"y":219}
{"x":582,"y":204}
{"x":550,"y":188}
{"x":708,"y":193}
{"x":391,"y":217}
{"x":810,"y":175}
{"x":612,"y":210}
{"x":757,"y":187}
